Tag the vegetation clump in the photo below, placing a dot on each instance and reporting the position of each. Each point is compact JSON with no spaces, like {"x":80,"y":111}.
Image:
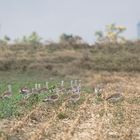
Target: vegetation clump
{"x":62,"y":115}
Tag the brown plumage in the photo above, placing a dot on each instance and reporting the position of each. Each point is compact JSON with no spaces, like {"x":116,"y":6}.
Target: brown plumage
{"x":42,"y":90}
{"x":115,"y":97}
{"x":51,"y":98}
{"x":24,"y":90}
{"x":6,"y":94}
{"x":75,"y":97}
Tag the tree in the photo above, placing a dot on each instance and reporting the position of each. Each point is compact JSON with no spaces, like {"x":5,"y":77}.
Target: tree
{"x":99,"y":35}
{"x":5,"y":40}
{"x":112,"y":34}
{"x":64,"y":38}
{"x":34,"y":38}
{"x":70,"y":39}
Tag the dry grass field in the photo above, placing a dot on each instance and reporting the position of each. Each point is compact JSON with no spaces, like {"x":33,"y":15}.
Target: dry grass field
{"x":93,"y":116}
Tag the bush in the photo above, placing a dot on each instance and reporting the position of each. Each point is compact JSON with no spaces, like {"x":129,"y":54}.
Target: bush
{"x":58,"y":58}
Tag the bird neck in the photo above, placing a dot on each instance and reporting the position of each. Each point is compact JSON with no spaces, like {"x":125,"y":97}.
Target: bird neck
{"x":47,"y":85}
{"x":39,"y":86}
{"x":9,"y":88}
{"x":71,"y":84}
{"x":62,"y":83}
{"x":36,"y":87}
{"x":75,"y":82}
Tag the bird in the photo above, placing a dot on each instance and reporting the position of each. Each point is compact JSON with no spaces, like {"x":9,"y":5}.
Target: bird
{"x":54,"y":95}
{"x":70,"y":89}
{"x":51,"y":98}
{"x":61,"y":88}
{"x":74,"y":97}
{"x":76,"y":92}
{"x":7,"y":93}
{"x":35,"y":89}
{"x":115,"y":97}
{"x":76,"y":88}
{"x":79,"y":87}
{"x":24,"y":90}
{"x":43,"y":89}
{"x":98,"y":90}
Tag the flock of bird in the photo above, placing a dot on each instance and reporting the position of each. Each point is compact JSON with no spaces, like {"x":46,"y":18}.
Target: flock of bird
{"x":74,"y":91}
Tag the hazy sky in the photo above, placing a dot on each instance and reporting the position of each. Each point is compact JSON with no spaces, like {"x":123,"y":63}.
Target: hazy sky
{"x":50,"y":18}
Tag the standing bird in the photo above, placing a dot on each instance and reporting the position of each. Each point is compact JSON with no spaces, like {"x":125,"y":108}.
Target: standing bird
{"x":98,"y":90}
{"x":76,"y":92}
{"x":54,"y":94}
{"x":70,"y":89}
{"x":51,"y":98}
{"x":61,"y":88}
{"x":74,"y":97}
{"x":117,"y":96}
{"x":35,"y":89}
{"x":8,"y":93}
{"x":43,"y":89}
{"x":25,"y":91}
{"x":77,"y":87}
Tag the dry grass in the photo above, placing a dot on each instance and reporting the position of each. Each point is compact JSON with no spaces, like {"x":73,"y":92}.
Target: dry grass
{"x":116,"y":67}
{"x":120,"y":57}
{"x":89,"y":118}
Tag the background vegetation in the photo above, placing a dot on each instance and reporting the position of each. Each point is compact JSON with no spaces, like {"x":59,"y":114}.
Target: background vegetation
{"x":59,"y":58}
